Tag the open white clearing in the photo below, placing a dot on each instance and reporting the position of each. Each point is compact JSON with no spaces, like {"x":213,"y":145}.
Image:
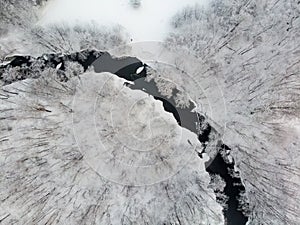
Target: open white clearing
{"x":149,"y":22}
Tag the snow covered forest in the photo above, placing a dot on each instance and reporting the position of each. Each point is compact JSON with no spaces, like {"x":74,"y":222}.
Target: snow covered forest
{"x":195,"y":124}
{"x":252,"y":48}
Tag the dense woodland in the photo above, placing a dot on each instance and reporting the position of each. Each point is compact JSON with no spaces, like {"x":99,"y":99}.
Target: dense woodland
{"x":248,"y":50}
{"x":252,"y":48}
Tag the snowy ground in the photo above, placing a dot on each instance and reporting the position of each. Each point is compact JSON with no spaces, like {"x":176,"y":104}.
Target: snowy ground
{"x":149,"y":22}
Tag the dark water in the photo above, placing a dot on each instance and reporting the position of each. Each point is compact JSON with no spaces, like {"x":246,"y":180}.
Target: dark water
{"x":232,"y":189}
{"x":126,"y":68}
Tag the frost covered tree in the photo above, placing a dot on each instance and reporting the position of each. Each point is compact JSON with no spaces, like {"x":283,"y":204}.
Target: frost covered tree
{"x":242,"y":47}
{"x":67,"y":39}
{"x":48,"y":175}
{"x":14,"y":13}
{"x":254,"y":55}
{"x":18,"y":22}
{"x":16,"y":18}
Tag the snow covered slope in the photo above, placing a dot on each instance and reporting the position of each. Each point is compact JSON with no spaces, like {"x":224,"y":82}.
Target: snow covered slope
{"x":67,"y":154}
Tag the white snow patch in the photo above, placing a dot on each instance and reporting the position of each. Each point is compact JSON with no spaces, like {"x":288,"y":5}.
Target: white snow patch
{"x":58,"y":66}
{"x":150,"y":22}
{"x":139,"y":70}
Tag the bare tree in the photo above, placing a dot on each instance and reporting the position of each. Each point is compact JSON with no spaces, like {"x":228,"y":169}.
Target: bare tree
{"x":66,"y":39}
